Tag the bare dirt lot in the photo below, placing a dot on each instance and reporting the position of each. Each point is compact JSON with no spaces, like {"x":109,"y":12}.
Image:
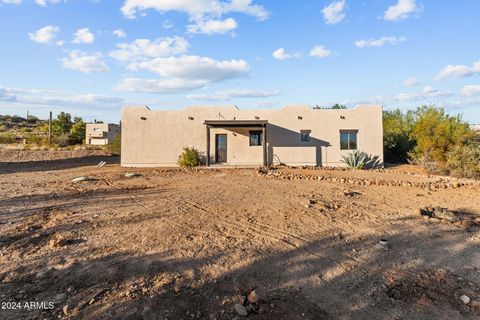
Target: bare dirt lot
{"x":178,"y":244}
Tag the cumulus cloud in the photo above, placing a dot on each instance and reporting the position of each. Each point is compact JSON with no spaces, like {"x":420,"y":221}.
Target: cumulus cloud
{"x":212,"y":26}
{"x":84,"y":62}
{"x":182,"y":73}
{"x":195,"y":8}
{"x":458,"y":71}
{"x":83,"y":36}
{"x":142,"y":49}
{"x":379,"y":42}
{"x":280,"y":54}
{"x":233,"y":93}
{"x":401,"y":10}
{"x":334,"y":12}
{"x":320,"y":52}
{"x":471,"y":90}
{"x":119,"y":33}
{"x":44,"y":35}
{"x":410,"y":82}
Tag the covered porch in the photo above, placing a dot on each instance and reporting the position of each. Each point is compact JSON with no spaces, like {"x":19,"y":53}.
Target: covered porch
{"x":261,"y":125}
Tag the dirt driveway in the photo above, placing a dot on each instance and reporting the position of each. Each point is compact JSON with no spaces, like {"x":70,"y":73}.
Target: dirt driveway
{"x":173,"y":244}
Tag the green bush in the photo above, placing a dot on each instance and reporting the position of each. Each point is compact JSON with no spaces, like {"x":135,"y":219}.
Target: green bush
{"x":464,"y":159}
{"x":397,"y":143}
{"x":356,"y":159}
{"x":115,"y":147}
{"x":7,"y":138}
{"x":190,"y":157}
{"x":37,"y":140}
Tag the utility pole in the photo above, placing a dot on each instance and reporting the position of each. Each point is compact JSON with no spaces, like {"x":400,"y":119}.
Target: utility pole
{"x":50,"y":128}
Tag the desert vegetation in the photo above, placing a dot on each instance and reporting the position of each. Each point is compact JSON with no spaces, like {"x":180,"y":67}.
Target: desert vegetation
{"x":433,"y":139}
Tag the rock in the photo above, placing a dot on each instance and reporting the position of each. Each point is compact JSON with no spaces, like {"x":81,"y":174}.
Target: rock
{"x":256,"y":295}
{"x":40,"y":275}
{"x":465,"y":299}
{"x":60,"y":297}
{"x":475,"y":304}
{"x":241,"y":310}
{"x":272,"y":305}
{"x":132,"y":175}
{"x":65,"y":309}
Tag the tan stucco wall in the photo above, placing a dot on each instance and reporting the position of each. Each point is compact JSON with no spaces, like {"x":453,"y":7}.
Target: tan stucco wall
{"x":105,"y":134}
{"x":159,"y":139}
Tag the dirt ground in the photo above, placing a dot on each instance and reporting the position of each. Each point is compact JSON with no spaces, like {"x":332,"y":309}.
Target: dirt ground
{"x":178,"y":244}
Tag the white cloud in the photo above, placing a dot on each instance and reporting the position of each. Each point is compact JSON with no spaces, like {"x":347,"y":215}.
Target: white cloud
{"x":401,"y":10}
{"x":320,"y":52}
{"x":410,"y":82}
{"x":379,"y":42}
{"x":84,"y":62}
{"x":83,"y":36}
{"x":334,"y":12}
{"x":44,"y":35}
{"x":119,"y":33}
{"x":195,"y":8}
{"x":233,"y":93}
{"x":280,"y":54}
{"x":183,"y":73}
{"x":471,"y":90}
{"x":212,"y":26}
{"x":44,"y":3}
{"x":142,"y":49}
{"x":42,"y":97}
{"x":458,"y":71}
{"x":427,"y":92}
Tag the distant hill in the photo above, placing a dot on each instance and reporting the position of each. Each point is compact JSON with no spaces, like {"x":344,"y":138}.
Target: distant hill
{"x":21,"y":126}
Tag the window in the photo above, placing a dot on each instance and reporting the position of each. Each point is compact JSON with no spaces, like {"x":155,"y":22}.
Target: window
{"x":96,"y":129}
{"x":348,"y":140}
{"x":305,"y":135}
{"x":256,"y":138}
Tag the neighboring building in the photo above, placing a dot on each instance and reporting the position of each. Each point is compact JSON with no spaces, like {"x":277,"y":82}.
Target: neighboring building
{"x":291,"y":135}
{"x":475,"y":127}
{"x":100,"y":133}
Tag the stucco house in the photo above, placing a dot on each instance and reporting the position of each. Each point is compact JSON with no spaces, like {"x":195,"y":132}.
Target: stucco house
{"x":99,"y":133}
{"x":298,"y":135}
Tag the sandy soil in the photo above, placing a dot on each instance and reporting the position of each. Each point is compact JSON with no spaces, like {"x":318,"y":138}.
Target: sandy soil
{"x":177,"y":244}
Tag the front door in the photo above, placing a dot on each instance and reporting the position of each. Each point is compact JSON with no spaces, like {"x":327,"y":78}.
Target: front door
{"x":221,"y":148}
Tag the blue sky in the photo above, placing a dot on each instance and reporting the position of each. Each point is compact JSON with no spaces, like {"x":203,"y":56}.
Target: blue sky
{"x":91,"y":58}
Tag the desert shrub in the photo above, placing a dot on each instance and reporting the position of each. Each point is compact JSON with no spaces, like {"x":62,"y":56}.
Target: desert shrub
{"x":7,"y":138}
{"x":77,"y":132}
{"x":36,"y":139}
{"x":356,"y":159}
{"x":435,"y":133}
{"x":190,"y":157}
{"x":397,"y":128}
{"x":115,"y":147}
{"x":61,"y":140}
{"x":464,"y":159}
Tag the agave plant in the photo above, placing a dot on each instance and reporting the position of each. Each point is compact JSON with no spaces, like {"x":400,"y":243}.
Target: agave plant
{"x":356,"y":159}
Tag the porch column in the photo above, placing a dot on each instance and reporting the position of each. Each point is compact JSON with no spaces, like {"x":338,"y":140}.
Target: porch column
{"x":264,"y":144}
{"x":207,"y":156}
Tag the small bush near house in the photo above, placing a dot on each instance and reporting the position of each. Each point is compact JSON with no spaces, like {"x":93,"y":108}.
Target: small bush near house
{"x":356,"y":159}
{"x":190,"y":157}
{"x":464,"y":160}
{"x":115,"y":147}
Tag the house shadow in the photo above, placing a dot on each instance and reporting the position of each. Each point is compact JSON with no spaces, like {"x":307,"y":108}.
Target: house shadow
{"x":280,"y":137}
{"x":59,"y":164}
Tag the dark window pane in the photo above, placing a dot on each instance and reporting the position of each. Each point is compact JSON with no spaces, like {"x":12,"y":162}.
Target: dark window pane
{"x":255,"y":138}
{"x":353,"y":141}
{"x":343,"y":145}
{"x":305,"y":136}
